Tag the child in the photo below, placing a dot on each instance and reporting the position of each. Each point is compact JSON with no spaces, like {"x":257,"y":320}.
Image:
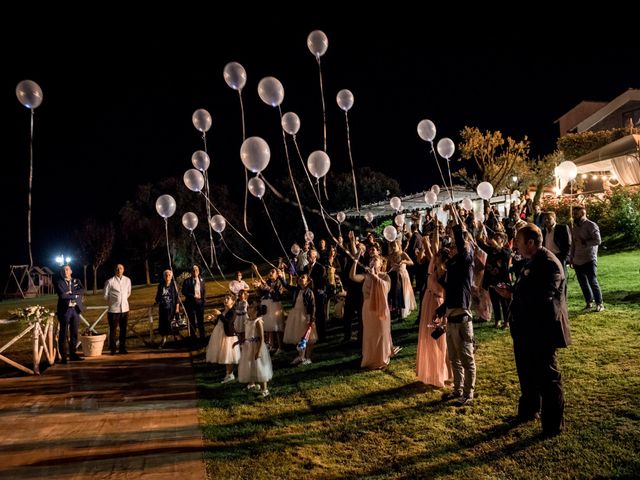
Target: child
{"x":300,"y":317}
{"x":240,"y":315}
{"x":255,"y":362}
{"x":223,"y":343}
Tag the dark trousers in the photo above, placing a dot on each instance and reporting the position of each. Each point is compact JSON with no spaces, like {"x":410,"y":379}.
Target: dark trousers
{"x":587,"y":276}
{"x":500,"y":306}
{"x":540,"y":384}
{"x":117,"y":320}
{"x":69,"y":320}
{"x":195,"y":312}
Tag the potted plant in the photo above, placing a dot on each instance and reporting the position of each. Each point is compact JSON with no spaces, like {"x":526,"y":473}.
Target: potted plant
{"x":92,"y":343}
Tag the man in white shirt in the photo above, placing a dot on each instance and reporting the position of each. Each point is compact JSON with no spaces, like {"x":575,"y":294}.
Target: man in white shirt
{"x":116,"y":293}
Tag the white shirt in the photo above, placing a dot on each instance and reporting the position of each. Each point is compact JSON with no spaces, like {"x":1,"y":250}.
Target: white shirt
{"x":116,"y":293}
{"x":549,"y":244}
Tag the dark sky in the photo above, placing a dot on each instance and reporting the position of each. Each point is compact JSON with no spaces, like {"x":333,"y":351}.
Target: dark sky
{"x":118,"y":103}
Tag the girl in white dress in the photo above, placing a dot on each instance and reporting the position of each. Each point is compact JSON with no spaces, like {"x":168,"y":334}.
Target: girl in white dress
{"x":271,"y":291}
{"x":223,"y":343}
{"x":300,"y":317}
{"x":255,"y":362}
{"x":240,"y":315}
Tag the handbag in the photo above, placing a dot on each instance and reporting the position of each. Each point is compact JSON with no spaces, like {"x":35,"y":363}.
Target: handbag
{"x":438,"y":332}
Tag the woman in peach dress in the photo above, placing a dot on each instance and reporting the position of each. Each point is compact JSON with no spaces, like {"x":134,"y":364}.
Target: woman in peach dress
{"x":432,"y":366}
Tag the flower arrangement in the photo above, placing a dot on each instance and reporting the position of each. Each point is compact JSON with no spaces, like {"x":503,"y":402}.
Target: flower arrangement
{"x":33,"y":313}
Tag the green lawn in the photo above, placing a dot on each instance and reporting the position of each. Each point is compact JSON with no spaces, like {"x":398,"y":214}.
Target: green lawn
{"x":333,"y":420}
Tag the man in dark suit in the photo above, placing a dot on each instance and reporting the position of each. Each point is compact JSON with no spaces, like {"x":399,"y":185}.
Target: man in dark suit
{"x":539,"y":325}
{"x":318,"y":275}
{"x":70,"y":292}
{"x":194,"y":298}
{"x":557,"y":239}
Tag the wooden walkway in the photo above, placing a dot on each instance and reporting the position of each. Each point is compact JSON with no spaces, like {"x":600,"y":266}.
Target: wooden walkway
{"x":109,"y":417}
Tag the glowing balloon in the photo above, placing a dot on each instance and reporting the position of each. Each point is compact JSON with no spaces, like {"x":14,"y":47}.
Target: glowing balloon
{"x":165,"y":206}
{"x":271,"y":91}
{"x":255,"y":154}
{"x":395,"y":203}
{"x":218,"y":223}
{"x":256,"y":187}
{"x":309,"y":236}
{"x":200,"y":160}
{"x":399,"y":220}
{"x":345,"y":99}
{"x":485,"y":190}
{"x":290,"y":123}
{"x":201,"y":120}
{"x":435,"y":189}
{"x":318,"y":163}
{"x":341,"y":216}
{"x":235,"y":75}
{"x":369,"y":216}
{"x":427,"y":130}
{"x":567,"y":170}
{"x":190,"y":221}
{"x":467,"y":204}
{"x":317,"y":42}
{"x":446,"y":147}
{"x":295,"y":249}
{"x":29,"y":94}
{"x":194,"y":180}
{"x":431,"y":198}
{"x":515,"y":194}
{"x":390,"y":233}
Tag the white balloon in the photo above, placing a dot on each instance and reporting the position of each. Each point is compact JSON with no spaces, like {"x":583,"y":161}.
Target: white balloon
{"x":399,"y":220}
{"x":341,"y":216}
{"x":193,"y":179}
{"x":256,"y":187}
{"x":427,"y":130}
{"x":235,"y":75}
{"x":485,"y":190}
{"x":390,"y":233}
{"x":271,"y":91}
{"x":201,"y":120}
{"x":295,"y":249}
{"x":395,"y":203}
{"x":467,"y":204}
{"x":309,"y":236}
{"x":435,"y":189}
{"x":218,"y":223}
{"x":369,"y":216}
{"x":255,"y":154}
{"x":317,"y":42}
{"x":567,"y":170}
{"x":29,"y":94}
{"x":190,"y":221}
{"x":345,"y":99}
{"x":200,"y":160}
{"x":290,"y":123}
{"x":165,"y":206}
{"x":318,"y":163}
{"x":430,"y":198}
{"x":446,"y":147}
{"x":515,"y":194}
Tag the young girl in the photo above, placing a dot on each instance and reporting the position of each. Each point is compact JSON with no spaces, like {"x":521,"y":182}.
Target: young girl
{"x":300,"y":317}
{"x":271,"y":291}
{"x":255,"y":362}
{"x":223,"y":343}
{"x":240,"y":315}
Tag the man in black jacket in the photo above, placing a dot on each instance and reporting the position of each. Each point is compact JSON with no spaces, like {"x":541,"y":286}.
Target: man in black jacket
{"x":193,"y":290}
{"x":70,"y":292}
{"x":557,"y":239}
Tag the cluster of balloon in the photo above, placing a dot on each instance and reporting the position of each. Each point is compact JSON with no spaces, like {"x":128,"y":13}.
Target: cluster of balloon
{"x":201,"y":120}
{"x":396,"y":203}
{"x":255,"y":154}
{"x":467,"y":204}
{"x":427,"y":130}
{"x":390,"y":233}
{"x":200,"y":160}
{"x":446,"y":148}
{"x":290,"y":123}
{"x":190,"y":221}
{"x":165,"y":206}
{"x":345,"y":100}
{"x":235,"y":75}
{"x":567,"y":170}
{"x":399,"y":219}
{"x":295,"y":249}
{"x":318,"y":164}
{"x":369,"y":216}
{"x":430,"y":198}
{"x":485,"y":190}
{"x":271,"y":91}
{"x":256,"y":187}
{"x":193,"y":179}
{"x":218,"y":223}
{"x":29,"y":94}
{"x":308,"y":236}
{"x":341,"y":217}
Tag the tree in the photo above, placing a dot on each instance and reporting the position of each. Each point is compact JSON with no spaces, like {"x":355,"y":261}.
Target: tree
{"x":542,"y":172}
{"x":574,"y":145}
{"x":96,"y":243}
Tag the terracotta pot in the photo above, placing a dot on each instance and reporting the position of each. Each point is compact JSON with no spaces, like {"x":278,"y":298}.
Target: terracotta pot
{"x":92,"y":345}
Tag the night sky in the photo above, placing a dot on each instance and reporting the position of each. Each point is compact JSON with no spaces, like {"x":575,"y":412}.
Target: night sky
{"x":117,"y":116}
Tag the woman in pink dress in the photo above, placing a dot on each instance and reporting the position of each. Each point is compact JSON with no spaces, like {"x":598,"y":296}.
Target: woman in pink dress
{"x":432,"y":367}
{"x":377,"y":346}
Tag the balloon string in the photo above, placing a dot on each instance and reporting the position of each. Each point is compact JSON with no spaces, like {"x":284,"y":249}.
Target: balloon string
{"x":232,"y":253}
{"x":244,"y":134}
{"x":166,"y":232}
{"x":30,"y":187}
{"x":205,"y":263}
{"x":240,"y":234}
{"x":184,"y":309}
{"x":246,"y":197}
{"x":293,"y":183}
{"x":324,"y":121}
{"x":208,"y":209}
{"x":286,"y":254}
{"x":353,"y":172}
{"x":444,"y":182}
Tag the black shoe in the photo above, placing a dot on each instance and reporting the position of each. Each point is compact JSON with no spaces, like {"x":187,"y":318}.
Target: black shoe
{"x":113,"y":351}
{"x":123,"y":351}
{"x":462,"y":401}
{"x":452,"y":395}
{"x":64,"y":360}
{"x":550,"y":433}
{"x":74,"y":357}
